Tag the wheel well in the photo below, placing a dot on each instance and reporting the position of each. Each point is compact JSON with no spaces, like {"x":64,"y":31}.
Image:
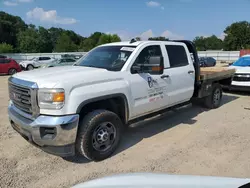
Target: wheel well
{"x":118,"y":105}
{"x":11,"y":68}
{"x":226,"y":81}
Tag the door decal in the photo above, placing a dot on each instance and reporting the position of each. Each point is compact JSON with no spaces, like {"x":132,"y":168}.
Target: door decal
{"x":150,"y":82}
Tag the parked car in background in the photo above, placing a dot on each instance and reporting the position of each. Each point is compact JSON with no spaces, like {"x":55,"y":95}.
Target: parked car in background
{"x":78,"y":56}
{"x":72,"y":56}
{"x":36,"y":62}
{"x":207,"y":61}
{"x":59,"y":62}
{"x":241,"y":78}
{"x":9,"y":66}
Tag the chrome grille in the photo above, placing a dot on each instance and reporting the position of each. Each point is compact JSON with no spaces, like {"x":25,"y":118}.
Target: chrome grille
{"x":21,"y":97}
{"x":241,"y":77}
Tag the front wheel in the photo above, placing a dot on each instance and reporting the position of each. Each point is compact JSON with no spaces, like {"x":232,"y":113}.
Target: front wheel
{"x":12,"y":71}
{"x":99,"y":135}
{"x":30,"y":67}
{"x":214,"y":100}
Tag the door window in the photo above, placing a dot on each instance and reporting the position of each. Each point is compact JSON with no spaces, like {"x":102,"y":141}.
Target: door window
{"x":2,"y":61}
{"x":44,"y":58}
{"x":146,"y":53}
{"x":5,"y":61}
{"x":177,"y":56}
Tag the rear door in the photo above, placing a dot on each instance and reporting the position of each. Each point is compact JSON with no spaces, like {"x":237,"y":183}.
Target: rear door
{"x":179,"y":74}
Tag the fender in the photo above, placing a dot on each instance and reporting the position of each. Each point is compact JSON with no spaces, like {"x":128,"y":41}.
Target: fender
{"x":88,"y":101}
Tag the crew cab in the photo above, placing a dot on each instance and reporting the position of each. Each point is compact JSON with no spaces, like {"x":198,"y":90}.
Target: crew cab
{"x":83,"y":109}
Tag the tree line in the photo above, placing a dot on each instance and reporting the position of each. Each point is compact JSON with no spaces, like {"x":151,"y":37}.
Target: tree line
{"x":18,"y":37}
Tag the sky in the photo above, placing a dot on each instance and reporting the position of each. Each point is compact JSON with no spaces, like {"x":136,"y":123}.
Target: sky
{"x":174,"y":19}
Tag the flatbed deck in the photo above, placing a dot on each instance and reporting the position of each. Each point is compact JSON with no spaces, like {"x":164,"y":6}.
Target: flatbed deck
{"x":212,"y":73}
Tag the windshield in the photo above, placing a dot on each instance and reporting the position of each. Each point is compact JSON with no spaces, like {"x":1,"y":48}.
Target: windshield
{"x":242,"y":62}
{"x":107,"y":57}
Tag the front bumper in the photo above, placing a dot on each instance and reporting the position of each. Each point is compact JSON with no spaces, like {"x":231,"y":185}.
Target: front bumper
{"x":22,"y":67}
{"x":53,"y":134}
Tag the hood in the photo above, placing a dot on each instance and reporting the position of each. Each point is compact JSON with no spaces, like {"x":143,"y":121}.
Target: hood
{"x":163,"y":181}
{"x":241,"y":69}
{"x":59,"y":76}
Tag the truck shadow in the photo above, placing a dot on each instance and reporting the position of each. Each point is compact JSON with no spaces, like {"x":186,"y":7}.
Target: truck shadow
{"x":148,"y":128}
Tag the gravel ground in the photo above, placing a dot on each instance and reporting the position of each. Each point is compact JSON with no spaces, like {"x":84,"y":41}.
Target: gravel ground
{"x":190,"y":141}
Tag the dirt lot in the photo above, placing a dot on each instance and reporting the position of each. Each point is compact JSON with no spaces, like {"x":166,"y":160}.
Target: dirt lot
{"x":189,"y":141}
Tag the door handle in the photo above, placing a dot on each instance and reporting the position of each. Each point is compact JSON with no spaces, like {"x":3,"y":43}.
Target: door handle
{"x":164,"y":76}
{"x":190,"y":72}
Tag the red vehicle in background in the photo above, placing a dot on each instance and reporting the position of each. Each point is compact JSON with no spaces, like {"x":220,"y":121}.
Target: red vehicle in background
{"x":9,"y":66}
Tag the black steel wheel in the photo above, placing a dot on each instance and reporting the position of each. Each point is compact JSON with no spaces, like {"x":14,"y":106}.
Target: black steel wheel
{"x":99,"y":135}
{"x":214,"y":100}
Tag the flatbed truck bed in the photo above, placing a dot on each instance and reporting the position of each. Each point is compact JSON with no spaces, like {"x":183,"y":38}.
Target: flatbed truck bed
{"x":208,"y":73}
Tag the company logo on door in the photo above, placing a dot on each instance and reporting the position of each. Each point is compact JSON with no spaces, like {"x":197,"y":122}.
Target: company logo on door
{"x":150,"y":82}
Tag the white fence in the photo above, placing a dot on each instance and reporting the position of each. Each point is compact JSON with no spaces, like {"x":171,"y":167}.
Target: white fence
{"x":21,"y":57}
{"x":228,"y":56}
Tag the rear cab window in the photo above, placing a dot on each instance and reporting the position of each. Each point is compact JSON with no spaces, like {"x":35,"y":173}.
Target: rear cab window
{"x":177,"y":55}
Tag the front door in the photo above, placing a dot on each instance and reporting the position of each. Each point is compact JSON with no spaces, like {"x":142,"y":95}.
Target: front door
{"x":181,"y":74}
{"x":148,"y":91}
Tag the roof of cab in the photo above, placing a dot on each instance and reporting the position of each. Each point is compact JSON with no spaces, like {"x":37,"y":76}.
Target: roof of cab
{"x":137,"y":43}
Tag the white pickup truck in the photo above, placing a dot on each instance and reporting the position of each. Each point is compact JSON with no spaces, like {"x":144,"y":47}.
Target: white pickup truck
{"x":84,"y":108}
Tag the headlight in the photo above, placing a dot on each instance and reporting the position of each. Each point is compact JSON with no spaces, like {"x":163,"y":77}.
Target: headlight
{"x":51,"y":98}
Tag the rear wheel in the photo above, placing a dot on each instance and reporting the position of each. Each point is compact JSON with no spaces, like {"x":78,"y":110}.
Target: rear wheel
{"x":214,"y":100}
{"x":30,"y":67}
{"x":99,"y":135}
{"x":12,"y":71}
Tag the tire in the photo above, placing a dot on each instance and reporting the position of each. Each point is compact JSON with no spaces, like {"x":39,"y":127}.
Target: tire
{"x":93,"y":130}
{"x":214,"y":100}
{"x":12,"y":71}
{"x":30,"y":67}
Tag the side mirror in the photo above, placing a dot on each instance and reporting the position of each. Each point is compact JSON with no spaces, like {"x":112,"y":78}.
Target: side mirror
{"x":155,"y":66}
